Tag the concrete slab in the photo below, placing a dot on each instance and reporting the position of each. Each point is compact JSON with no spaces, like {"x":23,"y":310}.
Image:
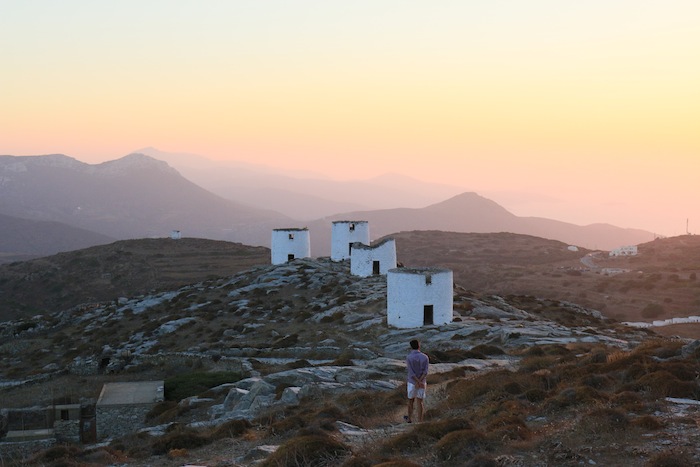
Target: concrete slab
{"x":131,"y":393}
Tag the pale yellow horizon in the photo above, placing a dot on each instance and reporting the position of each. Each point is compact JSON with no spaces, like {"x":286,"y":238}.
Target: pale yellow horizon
{"x":592,"y":105}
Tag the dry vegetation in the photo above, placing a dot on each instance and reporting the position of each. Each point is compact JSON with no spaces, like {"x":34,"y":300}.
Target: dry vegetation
{"x":661,"y":282}
{"x":122,"y":269}
{"x":564,"y":406}
{"x":559,"y":405}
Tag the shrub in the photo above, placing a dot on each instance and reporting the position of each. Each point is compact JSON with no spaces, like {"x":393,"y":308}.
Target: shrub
{"x":360,"y":405}
{"x":603,"y":421}
{"x":179,"y":439}
{"x":462,"y":393}
{"x":313,"y":450}
{"x":424,"y":434}
{"x":507,"y":427}
{"x":670,"y":459}
{"x":461,"y":445}
{"x":231,"y":429}
{"x":60,"y":452}
{"x":488,"y":349}
{"x":579,"y":395}
{"x":159,"y":409}
{"x":190,"y":384}
{"x":648,"y":422}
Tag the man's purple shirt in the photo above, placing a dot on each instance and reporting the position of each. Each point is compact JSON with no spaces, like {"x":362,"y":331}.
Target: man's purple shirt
{"x":416,"y":365}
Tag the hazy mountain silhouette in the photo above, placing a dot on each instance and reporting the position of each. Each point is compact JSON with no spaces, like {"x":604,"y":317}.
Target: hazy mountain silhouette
{"x":301,"y":195}
{"x":469,"y":212}
{"x":132,"y":197}
{"x":138,"y":196}
{"x":22,"y":239}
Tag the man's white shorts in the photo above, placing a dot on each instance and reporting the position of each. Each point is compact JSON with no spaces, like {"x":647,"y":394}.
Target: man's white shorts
{"x":415,"y":392}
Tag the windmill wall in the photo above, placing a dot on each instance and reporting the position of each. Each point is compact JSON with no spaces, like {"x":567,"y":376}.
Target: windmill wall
{"x":418,"y":297}
{"x":366,"y":260}
{"x":344,"y":234}
{"x":290,"y":244}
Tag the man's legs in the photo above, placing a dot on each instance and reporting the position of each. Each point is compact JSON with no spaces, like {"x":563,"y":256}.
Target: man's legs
{"x":420,"y":409}
{"x":410,"y":410}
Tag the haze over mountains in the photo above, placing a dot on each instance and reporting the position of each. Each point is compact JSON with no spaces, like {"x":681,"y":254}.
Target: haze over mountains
{"x":138,"y":196}
{"x":302,"y":195}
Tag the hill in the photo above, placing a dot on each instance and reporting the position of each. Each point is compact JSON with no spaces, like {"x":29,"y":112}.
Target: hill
{"x":294,"y":365}
{"x":132,"y":197}
{"x":22,"y":239}
{"x":469,"y":212}
{"x":125,"y":268}
{"x":659,"y":283}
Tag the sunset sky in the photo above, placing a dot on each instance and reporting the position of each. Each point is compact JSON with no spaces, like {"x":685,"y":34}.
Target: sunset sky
{"x":582,"y":111}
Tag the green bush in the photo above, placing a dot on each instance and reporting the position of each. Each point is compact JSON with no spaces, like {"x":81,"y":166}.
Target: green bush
{"x":190,"y":384}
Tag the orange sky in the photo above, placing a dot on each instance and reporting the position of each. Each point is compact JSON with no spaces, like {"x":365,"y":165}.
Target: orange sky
{"x":580,"y":111}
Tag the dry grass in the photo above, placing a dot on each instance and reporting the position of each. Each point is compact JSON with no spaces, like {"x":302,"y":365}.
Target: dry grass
{"x":521,"y":265}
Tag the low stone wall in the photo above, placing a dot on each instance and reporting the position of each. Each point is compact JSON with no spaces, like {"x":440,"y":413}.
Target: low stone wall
{"x":67,"y":431}
{"x":119,"y":420}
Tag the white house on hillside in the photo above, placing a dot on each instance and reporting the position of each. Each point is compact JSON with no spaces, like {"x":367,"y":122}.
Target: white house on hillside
{"x":366,"y":260}
{"x":629,"y":250}
{"x":344,"y":234}
{"x":419,"y":297}
{"x":289,"y":244}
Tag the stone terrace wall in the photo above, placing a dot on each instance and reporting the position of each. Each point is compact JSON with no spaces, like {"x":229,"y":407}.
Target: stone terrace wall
{"x":67,"y":430}
{"x":120,"y":420}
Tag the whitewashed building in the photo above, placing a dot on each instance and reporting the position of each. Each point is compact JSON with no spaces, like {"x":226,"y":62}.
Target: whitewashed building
{"x":344,"y":234}
{"x":176,"y":235}
{"x":629,"y":250}
{"x":419,"y":297}
{"x":289,"y":244}
{"x":366,"y":260}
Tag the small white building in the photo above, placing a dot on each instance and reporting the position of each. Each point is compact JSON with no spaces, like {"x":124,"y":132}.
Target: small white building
{"x":122,"y":407}
{"x":289,"y":244}
{"x":176,"y":235}
{"x":344,"y":234}
{"x":419,"y":297}
{"x":629,"y":250}
{"x":366,"y":260}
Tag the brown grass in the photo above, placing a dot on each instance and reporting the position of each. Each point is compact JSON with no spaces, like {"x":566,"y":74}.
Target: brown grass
{"x":309,"y":451}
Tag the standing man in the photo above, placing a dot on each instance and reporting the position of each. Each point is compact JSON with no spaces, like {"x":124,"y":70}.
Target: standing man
{"x":417,"y":375}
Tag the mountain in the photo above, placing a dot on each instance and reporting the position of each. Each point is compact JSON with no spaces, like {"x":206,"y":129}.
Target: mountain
{"x":132,"y":197}
{"x":300,"y":195}
{"x":21,"y":239}
{"x":469,"y":212}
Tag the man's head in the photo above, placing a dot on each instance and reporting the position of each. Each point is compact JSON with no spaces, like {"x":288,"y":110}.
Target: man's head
{"x":415,"y":345}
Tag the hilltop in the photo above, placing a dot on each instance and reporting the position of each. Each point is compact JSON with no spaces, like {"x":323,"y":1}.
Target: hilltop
{"x":296,"y":362}
{"x":125,"y":268}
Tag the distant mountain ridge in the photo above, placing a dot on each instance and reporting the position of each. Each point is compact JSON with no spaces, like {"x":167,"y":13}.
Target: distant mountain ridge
{"x":303,"y":196}
{"x":132,"y":197}
{"x":469,"y":212}
{"x":138,"y":196}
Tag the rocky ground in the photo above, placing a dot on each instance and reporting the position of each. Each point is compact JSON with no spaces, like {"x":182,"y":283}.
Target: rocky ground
{"x":515,"y":380}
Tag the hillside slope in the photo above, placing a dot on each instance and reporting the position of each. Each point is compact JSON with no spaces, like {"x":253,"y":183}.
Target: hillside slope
{"x":121,"y":269}
{"x":22,"y":239}
{"x":659,"y":283}
{"x":294,"y":365}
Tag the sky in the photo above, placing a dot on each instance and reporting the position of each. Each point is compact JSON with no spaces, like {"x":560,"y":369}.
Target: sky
{"x":578,"y":111}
